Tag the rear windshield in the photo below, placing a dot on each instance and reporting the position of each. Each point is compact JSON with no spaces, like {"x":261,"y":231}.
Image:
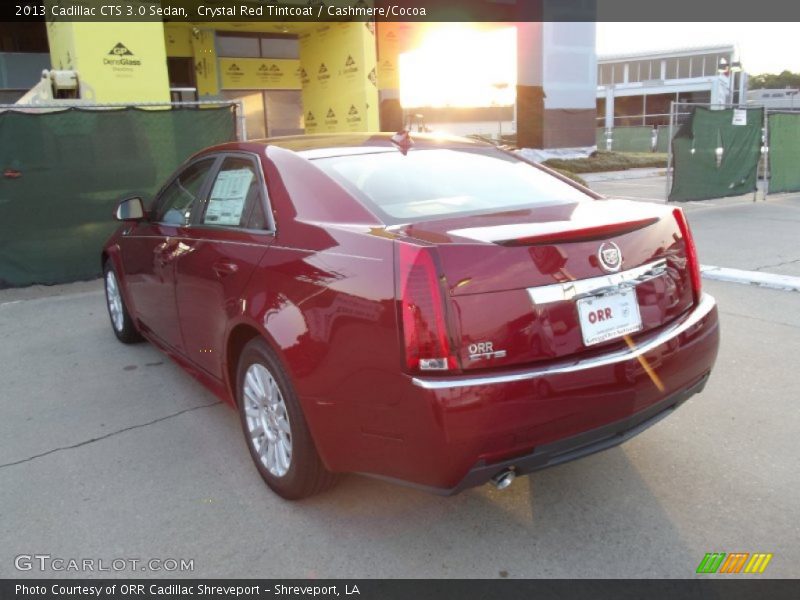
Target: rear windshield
{"x":440,"y":183}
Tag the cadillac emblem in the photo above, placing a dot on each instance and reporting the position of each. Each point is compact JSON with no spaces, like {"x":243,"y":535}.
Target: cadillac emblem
{"x":610,"y":257}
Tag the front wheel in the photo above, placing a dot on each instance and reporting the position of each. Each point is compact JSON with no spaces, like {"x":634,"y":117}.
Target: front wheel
{"x":275,"y":428}
{"x":121,"y":321}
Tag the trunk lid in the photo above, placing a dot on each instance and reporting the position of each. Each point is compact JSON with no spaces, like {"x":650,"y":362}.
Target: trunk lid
{"x":516,"y":280}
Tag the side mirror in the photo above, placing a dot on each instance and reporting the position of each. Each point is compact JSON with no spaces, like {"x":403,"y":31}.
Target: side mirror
{"x":130,"y":209}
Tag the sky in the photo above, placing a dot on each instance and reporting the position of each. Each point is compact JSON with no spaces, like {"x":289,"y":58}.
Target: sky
{"x":762,"y":47}
{"x":455,"y":65}
{"x":458,"y":64}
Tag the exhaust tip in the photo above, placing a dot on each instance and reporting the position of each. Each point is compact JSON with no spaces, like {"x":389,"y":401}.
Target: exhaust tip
{"x":504,"y":479}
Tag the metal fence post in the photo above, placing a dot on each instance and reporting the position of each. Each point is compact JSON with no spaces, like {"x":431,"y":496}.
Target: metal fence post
{"x":669,"y":149}
{"x":238,"y":108}
{"x":766,"y":154}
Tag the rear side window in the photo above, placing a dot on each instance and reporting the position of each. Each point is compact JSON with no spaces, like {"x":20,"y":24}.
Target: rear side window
{"x":440,"y":183}
{"x":236,"y":198}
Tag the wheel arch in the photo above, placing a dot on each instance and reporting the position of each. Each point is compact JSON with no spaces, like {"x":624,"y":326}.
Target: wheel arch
{"x":112,"y":253}
{"x":239,"y":336}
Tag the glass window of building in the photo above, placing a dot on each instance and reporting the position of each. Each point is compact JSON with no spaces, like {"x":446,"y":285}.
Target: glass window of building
{"x":280,"y":47}
{"x":655,"y":69}
{"x":605,"y":75}
{"x":710,"y":64}
{"x":233,"y":45}
{"x":697,"y":66}
{"x":24,"y":37}
{"x":672,"y":68}
{"x":640,"y":71}
{"x":284,"y":112}
{"x":633,"y":71}
{"x":238,"y":46}
{"x":684,"y":67}
{"x":619,"y":73}
{"x":644,"y":70}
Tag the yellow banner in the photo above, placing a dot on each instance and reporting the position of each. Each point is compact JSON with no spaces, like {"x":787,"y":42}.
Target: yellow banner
{"x":178,"y":39}
{"x":339,"y":78}
{"x":205,"y":62}
{"x":116,"y":62}
{"x":259,"y":74}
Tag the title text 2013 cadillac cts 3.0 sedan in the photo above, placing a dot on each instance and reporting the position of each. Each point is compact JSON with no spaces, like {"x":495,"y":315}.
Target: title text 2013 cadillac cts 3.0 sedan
{"x":434,"y":311}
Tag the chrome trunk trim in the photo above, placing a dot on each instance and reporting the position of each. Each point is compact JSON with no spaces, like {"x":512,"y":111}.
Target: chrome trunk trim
{"x":683,"y":324}
{"x":571,"y":290}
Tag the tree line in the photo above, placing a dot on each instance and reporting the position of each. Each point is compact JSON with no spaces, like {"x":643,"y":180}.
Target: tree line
{"x":779,"y":81}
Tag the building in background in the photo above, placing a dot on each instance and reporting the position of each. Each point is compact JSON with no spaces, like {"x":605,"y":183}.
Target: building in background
{"x":333,"y":77}
{"x":637,"y":89}
{"x":781,"y":99}
{"x":535,"y":80}
{"x":24,"y":54}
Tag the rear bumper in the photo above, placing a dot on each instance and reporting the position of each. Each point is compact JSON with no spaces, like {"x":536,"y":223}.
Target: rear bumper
{"x":577,"y":446}
{"x":446,"y":434}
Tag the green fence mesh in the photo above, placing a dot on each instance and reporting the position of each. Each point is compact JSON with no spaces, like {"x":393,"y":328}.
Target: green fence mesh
{"x":784,"y":152}
{"x":62,"y":174}
{"x":701,"y":170}
{"x":600,"y":138}
{"x":632,"y":139}
{"x":662,"y":139}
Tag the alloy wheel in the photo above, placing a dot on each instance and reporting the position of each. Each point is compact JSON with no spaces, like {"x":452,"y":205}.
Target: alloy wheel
{"x":267,"y":420}
{"x":114,"y":299}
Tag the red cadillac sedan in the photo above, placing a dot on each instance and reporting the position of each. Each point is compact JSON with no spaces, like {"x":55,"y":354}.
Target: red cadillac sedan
{"x":434,"y":311}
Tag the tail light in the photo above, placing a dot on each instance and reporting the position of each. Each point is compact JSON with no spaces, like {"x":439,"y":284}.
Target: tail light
{"x":427,"y":347}
{"x":691,"y":252}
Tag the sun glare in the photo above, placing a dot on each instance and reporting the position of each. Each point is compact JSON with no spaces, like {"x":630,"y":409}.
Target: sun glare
{"x":459,"y":66}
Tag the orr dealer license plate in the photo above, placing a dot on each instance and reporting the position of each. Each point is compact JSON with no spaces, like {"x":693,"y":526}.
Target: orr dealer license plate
{"x":609,"y":316}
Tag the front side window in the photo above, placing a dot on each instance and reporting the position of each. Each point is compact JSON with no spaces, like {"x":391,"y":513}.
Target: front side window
{"x":440,"y":183}
{"x":236,"y":196}
{"x":174,"y":206}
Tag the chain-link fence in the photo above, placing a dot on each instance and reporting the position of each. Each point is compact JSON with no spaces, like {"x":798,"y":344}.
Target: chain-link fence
{"x":635,"y":138}
{"x":64,"y":170}
{"x":719,"y":151}
{"x":716,"y":152}
{"x":783,"y":156}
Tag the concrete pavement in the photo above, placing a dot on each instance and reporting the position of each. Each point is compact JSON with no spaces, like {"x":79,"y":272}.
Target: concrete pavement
{"x":111,"y":451}
{"x":732,"y":232}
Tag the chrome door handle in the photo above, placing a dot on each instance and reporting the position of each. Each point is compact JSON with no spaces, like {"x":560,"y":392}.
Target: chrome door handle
{"x":224,"y":268}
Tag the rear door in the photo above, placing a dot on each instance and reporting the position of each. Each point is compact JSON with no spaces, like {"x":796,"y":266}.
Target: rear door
{"x":229,"y":236}
{"x":149,"y":249}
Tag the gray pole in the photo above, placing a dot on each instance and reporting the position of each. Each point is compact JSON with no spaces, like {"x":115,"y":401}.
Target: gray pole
{"x":669,"y":149}
{"x":242,"y":120}
{"x":500,"y":124}
{"x":760,"y":159}
{"x":766,"y":154}
{"x":644,"y":109}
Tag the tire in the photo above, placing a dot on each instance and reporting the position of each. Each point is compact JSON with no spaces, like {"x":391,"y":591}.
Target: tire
{"x":121,"y":321}
{"x":275,"y":429}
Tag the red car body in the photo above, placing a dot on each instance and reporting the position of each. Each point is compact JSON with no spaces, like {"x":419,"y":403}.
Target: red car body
{"x":326,"y":284}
